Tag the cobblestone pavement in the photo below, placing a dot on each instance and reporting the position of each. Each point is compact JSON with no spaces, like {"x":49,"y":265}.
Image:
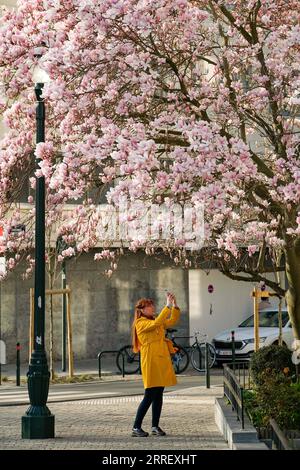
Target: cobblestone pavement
{"x":187,"y":417}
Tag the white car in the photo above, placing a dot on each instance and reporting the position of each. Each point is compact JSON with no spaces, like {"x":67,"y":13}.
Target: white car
{"x":244,"y":335}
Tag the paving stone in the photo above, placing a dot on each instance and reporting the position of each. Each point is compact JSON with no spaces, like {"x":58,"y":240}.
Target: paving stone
{"x":187,"y":417}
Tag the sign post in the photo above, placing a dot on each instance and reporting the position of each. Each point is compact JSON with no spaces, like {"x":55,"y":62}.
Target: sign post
{"x":256,"y":320}
{"x":257,"y":294}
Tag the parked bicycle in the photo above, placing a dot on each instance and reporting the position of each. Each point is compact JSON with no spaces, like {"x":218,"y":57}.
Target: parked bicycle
{"x":131,"y":360}
{"x":180,"y":358}
{"x":196,"y":351}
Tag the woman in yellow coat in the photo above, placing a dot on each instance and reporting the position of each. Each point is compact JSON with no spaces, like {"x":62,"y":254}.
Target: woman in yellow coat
{"x":157,"y":370}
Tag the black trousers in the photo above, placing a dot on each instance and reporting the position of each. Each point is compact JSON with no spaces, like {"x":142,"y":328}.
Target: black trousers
{"x":152,"y":395}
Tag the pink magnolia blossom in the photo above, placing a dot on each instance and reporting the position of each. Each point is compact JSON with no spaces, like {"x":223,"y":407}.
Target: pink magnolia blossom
{"x":149,"y":102}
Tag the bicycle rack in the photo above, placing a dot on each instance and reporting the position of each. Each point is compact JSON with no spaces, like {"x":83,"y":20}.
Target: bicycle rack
{"x":101,"y":353}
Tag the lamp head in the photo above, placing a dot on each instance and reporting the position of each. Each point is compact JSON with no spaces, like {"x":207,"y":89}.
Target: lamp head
{"x":38,"y":74}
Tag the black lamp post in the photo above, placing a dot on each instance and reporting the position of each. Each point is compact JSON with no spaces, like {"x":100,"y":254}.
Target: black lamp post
{"x":38,"y":422}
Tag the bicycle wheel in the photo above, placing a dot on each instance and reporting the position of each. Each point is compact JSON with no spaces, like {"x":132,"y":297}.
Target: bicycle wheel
{"x":131,"y":360}
{"x":198,"y":356}
{"x":180,"y":360}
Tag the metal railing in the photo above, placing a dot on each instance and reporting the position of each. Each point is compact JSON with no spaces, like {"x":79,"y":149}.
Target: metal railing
{"x":101,"y":353}
{"x":273,"y":433}
{"x":234,"y":392}
{"x":242,"y":372}
{"x":237,"y":378}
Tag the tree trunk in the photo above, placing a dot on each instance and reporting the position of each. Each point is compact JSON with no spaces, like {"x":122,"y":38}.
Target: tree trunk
{"x":278,"y":278}
{"x":292,"y":257}
{"x":280,"y":321}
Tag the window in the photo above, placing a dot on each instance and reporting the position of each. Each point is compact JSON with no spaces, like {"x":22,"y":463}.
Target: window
{"x":266,"y":319}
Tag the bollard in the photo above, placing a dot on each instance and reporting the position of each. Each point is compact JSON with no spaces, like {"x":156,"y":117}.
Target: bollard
{"x":233,"y":349}
{"x":207,"y":368}
{"x":18,"y":366}
{"x":123,"y":366}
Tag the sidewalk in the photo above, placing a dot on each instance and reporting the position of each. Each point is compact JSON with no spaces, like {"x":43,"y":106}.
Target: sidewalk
{"x":187,"y":417}
{"x":89,"y":367}
{"x":83,"y":366}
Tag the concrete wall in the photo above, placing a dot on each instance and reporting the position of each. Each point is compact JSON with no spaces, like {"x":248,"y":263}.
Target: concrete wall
{"x":102,"y":309}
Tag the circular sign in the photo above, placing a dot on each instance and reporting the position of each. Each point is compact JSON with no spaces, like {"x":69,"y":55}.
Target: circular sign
{"x":210,"y":288}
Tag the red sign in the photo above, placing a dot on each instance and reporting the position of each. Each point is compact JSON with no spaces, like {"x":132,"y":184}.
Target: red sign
{"x":210,"y":288}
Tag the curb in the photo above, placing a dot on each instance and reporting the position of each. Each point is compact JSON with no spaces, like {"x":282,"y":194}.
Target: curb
{"x":230,"y":427}
{"x":72,"y":400}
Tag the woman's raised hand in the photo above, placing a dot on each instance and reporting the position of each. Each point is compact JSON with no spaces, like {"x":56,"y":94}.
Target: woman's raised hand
{"x":169,"y":299}
{"x":174,"y":301}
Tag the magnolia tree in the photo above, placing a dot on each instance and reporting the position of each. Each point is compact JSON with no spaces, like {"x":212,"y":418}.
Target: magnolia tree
{"x":185,"y":102}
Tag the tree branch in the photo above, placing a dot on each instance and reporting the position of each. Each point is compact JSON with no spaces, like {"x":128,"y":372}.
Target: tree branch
{"x":231,"y":19}
{"x":254,"y":277}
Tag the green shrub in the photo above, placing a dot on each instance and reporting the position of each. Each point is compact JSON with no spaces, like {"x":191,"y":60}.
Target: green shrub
{"x":271,"y":359}
{"x":275,"y":395}
{"x":278,"y":398}
{"x":296,"y":386}
{"x":255,"y":412}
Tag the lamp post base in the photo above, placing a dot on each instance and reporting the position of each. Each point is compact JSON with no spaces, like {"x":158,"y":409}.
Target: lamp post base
{"x":38,"y":427}
{"x":38,"y":422}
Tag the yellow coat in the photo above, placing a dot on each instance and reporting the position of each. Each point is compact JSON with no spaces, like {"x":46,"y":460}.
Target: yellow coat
{"x":156,"y":363}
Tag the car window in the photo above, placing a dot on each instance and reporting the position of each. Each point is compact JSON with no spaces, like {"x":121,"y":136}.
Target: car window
{"x":266,"y":319}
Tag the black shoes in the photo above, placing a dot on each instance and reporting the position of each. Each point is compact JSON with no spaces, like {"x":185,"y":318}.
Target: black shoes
{"x":139,"y":433}
{"x":157,"y":431}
